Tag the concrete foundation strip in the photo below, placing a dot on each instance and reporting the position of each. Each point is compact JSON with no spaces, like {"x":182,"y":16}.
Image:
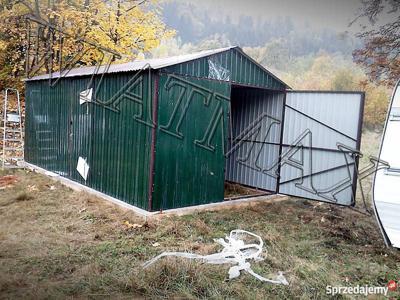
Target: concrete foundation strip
{"x":145,"y":214}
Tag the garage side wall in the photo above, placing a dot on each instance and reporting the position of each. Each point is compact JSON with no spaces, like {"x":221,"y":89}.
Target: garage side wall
{"x":113,"y":134}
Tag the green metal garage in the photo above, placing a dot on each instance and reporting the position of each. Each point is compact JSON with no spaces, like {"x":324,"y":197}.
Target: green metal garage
{"x":167,"y":133}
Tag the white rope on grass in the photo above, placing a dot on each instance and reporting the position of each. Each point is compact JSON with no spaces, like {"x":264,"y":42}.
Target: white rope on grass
{"x":235,"y":251}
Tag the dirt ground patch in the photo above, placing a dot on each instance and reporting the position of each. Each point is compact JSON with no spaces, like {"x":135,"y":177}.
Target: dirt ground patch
{"x":233,"y":190}
{"x":57,"y":243}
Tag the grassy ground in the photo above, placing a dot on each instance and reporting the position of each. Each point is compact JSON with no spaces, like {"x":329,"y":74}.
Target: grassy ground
{"x":57,"y":243}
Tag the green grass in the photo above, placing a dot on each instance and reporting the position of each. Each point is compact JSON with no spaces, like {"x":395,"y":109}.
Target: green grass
{"x":57,"y":243}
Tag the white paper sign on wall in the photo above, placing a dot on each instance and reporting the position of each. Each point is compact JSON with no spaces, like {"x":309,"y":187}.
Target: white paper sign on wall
{"x":85,"y":96}
{"x":82,"y":168}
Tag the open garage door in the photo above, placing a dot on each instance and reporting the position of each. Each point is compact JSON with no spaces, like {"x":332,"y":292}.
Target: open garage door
{"x":254,"y":139}
{"x":320,"y":140}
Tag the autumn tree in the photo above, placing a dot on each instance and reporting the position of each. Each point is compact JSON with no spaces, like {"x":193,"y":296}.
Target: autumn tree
{"x":124,"y":27}
{"x":380,"y":54}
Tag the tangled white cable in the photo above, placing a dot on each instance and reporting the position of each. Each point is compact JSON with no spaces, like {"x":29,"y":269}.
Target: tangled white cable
{"x":235,"y":251}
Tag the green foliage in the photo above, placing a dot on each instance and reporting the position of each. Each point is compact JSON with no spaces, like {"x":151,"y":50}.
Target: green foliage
{"x":376,"y":103}
{"x":344,"y":80}
{"x":327,"y":72}
{"x":274,"y":54}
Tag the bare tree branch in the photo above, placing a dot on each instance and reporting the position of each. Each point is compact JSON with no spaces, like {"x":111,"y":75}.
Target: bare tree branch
{"x":381,"y":51}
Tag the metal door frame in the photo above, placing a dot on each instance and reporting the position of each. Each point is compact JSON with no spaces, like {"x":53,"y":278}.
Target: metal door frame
{"x":358,"y":140}
{"x":230,"y":137}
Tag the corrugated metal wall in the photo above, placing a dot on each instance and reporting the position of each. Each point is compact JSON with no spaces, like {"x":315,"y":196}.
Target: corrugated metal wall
{"x":115,"y":135}
{"x":47,"y":125}
{"x":323,"y":120}
{"x":192,"y":122}
{"x":256,"y":130}
{"x":117,"y":147}
{"x":231,"y":66}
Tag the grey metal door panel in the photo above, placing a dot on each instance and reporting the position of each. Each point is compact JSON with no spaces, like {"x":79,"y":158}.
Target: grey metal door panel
{"x":247,"y":164}
{"x":319,"y":161}
{"x":322,"y":136}
{"x":336,"y":109}
{"x":321,"y":132}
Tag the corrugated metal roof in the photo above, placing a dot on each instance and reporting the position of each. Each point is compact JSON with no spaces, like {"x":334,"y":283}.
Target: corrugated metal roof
{"x":156,"y":63}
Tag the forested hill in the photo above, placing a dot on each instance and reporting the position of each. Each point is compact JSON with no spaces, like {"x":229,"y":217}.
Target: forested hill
{"x":196,"y":24}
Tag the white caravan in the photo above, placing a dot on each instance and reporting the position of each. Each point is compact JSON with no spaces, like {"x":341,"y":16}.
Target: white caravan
{"x":386,"y":188}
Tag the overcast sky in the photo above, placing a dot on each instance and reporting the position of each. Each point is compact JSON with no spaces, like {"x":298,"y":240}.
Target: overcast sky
{"x":335,"y":14}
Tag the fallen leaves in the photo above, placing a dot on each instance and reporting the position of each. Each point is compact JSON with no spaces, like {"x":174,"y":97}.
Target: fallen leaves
{"x":132,"y":226}
{"x":32,"y":188}
{"x":8,"y":181}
